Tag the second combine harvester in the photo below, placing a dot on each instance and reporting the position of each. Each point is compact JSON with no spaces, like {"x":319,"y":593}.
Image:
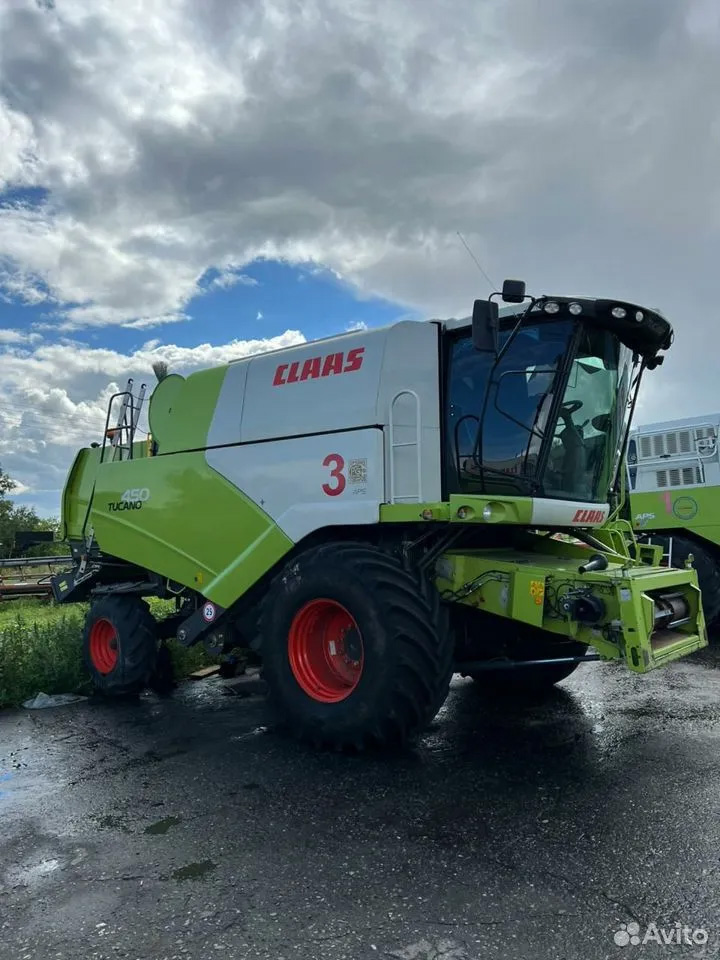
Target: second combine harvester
{"x":374,"y":511}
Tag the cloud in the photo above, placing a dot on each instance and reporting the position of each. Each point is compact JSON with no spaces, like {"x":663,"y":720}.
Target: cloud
{"x":259,"y":315}
{"x":230,"y":277}
{"x":575,"y":145}
{"x":356,"y":325}
{"x":145,"y":323}
{"x":19,"y":489}
{"x":55,"y":396}
{"x":18,"y":336}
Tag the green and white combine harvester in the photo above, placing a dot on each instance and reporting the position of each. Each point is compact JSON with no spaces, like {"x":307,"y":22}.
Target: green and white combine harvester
{"x":674,"y":482}
{"x":374,"y":511}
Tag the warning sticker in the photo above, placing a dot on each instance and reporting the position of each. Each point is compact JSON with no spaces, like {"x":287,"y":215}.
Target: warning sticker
{"x":537,"y":591}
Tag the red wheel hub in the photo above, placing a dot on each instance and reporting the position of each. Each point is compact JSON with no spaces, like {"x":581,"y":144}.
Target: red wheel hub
{"x":103,"y":646}
{"x":325,"y":650}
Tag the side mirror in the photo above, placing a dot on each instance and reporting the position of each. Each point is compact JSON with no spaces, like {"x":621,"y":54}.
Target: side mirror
{"x":485,"y":326}
{"x":513,"y":291}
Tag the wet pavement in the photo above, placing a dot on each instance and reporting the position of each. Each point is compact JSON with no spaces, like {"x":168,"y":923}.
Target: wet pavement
{"x":186,"y":828}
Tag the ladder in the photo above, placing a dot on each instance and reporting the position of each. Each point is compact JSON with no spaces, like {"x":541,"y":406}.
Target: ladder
{"x":122,"y":435}
{"x":396,"y":444}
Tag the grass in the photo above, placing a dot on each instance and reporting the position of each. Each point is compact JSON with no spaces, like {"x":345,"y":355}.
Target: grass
{"x":41,"y":649}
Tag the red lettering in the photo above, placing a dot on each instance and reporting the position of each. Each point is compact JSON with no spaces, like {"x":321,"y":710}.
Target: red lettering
{"x":354,"y":359}
{"x":589,"y":516}
{"x":315,"y":367}
{"x":337,"y":463}
{"x":333,"y":364}
{"x":311,"y":369}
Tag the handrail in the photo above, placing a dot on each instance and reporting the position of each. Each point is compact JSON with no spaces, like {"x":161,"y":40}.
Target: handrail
{"x":394,"y":445}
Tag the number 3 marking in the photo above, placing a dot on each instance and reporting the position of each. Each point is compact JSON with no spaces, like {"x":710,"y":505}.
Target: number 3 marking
{"x":337,"y":463}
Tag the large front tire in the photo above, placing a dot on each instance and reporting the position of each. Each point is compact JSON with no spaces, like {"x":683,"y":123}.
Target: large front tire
{"x":120,"y":645}
{"x":356,"y":651}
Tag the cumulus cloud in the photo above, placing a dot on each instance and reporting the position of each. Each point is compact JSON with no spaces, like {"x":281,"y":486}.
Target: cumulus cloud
{"x":55,"y":396}
{"x":573,"y":144}
{"x":8,"y":335}
{"x":361,"y":135}
{"x":230,"y":277}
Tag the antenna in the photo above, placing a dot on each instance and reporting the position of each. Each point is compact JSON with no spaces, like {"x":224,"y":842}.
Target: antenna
{"x":475,"y":260}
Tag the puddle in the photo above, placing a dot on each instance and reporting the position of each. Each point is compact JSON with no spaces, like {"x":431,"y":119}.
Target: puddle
{"x":5,"y":777}
{"x":162,"y":826}
{"x":194,"y":871}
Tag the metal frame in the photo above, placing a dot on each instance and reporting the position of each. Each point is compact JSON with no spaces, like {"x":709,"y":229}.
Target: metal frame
{"x":395,"y":445}
{"x":123,"y":422}
{"x":478,"y":665}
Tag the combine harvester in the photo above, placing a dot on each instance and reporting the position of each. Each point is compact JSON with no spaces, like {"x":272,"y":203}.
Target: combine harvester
{"x":674,"y":479}
{"x":374,"y":511}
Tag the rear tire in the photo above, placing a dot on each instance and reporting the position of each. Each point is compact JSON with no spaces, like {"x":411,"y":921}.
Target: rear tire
{"x":120,"y":645}
{"x":356,"y":651}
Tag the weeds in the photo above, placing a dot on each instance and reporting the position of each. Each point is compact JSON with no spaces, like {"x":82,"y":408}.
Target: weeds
{"x":40,"y":655}
{"x":41,"y":650}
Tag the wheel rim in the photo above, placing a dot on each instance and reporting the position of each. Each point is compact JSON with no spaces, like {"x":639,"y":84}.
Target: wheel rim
{"x":103,"y":646}
{"x":325,"y":650}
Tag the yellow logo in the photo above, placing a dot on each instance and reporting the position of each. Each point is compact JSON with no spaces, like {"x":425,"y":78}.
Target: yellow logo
{"x":537,"y":591}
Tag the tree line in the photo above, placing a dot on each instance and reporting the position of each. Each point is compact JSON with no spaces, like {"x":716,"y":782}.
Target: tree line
{"x":15,"y":518}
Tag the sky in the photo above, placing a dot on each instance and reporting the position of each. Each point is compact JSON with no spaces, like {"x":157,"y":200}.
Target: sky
{"x":198,"y":182}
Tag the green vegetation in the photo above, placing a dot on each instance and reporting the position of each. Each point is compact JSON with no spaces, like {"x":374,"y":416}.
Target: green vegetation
{"x":41,"y":643}
{"x":14,"y":518}
{"x":41,"y":650}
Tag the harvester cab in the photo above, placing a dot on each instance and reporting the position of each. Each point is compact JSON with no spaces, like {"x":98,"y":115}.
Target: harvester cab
{"x":549,"y":387}
{"x":375,"y":511}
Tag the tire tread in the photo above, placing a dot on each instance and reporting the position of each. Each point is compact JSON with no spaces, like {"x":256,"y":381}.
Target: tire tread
{"x":423,"y":663}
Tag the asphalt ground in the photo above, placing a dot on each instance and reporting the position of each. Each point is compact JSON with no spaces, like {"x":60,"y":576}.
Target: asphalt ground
{"x":188,"y":827}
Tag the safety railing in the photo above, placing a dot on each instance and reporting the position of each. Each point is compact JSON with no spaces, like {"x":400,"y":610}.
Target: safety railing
{"x":395,"y":445}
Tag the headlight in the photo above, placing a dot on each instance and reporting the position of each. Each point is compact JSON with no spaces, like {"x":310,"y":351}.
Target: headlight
{"x":639,"y":316}
{"x":575,"y":309}
{"x":619,"y":312}
{"x":551,"y":307}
